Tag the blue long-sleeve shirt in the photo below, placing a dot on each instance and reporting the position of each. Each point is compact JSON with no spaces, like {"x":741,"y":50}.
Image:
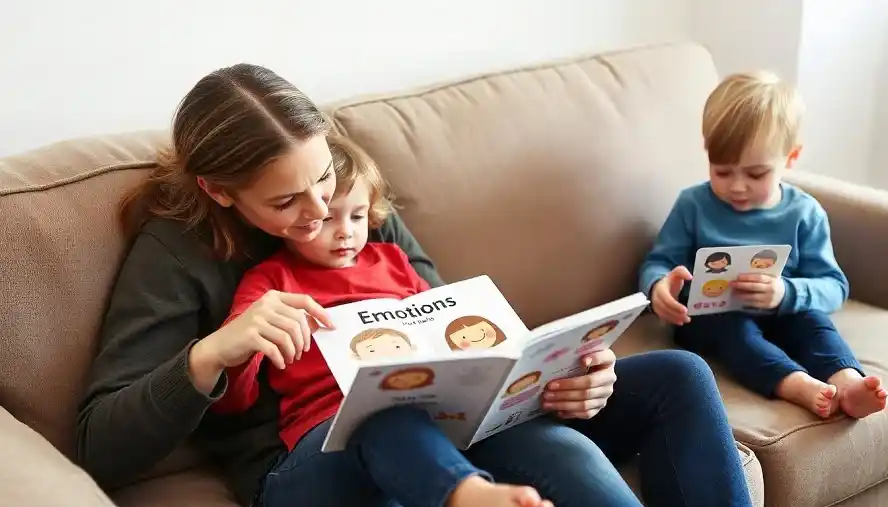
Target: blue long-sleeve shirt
{"x":813,"y":278}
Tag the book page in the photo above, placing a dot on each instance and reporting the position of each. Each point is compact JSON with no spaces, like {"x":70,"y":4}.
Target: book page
{"x":555,"y":351}
{"x":716,"y":267}
{"x":459,"y":318}
{"x":455,"y":393}
{"x":354,"y":342}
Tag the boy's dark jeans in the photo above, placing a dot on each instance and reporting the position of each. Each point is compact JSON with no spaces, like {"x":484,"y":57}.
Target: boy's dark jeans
{"x":760,"y":350}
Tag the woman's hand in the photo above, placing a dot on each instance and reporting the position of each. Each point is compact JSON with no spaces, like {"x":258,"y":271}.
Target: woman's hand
{"x":279,"y":325}
{"x":583,"y":397}
{"x":664,"y":296}
{"x":759,"y":290}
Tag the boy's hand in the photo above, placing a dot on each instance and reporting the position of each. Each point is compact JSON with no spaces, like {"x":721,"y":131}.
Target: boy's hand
{"x":759,"y":290}
{"x":664,"y":297}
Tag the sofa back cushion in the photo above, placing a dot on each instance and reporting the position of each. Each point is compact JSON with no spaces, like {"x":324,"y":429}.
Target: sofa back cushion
{"x":60,"y":252}
{"x":554,"y":179}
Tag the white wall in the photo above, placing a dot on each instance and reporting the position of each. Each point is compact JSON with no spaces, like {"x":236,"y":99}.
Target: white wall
{"x":879,"y":160}
{"x":731,"y":30}
{"x":96,"y":66}
{"x":835,"y":52}
{"x":843,"y":44}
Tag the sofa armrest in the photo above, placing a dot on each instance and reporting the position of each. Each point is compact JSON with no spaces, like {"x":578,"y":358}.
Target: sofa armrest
{"x":33,"y":473}
{"x":858,"y":217}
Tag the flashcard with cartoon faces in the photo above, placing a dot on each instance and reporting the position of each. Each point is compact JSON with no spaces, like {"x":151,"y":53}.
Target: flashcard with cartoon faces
{"x":716,"y":267}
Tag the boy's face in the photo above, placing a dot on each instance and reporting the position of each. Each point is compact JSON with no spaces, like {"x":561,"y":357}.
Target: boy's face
{"x":344,"y":232}
{"x":753,"y":183}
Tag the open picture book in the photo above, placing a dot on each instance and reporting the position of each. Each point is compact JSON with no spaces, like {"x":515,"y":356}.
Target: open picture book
{"x":460,"y":352}
{"x":716,"y":267}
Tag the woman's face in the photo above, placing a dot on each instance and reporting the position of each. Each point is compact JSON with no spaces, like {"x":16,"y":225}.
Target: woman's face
{"x":289,"y":197}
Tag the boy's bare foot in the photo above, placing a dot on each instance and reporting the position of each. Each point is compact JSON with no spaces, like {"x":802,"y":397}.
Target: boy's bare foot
{"x":862,"y":397}
{"x":477,"y":492}
{"x":808,"y":392}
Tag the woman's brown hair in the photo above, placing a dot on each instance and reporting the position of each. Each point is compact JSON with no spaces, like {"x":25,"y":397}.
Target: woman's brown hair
{"x":230,"y":125}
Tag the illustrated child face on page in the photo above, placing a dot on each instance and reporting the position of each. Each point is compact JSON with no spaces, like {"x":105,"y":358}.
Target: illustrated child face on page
{"x":718,"y":262}
{"x":597,"y":332}
{"x":764,"y":259}
{"x":715,"y":288}
{"x":408,"y":378}
{"x":523,"y":383}
{"x":473,"y":332}
{"x":381,"y":343}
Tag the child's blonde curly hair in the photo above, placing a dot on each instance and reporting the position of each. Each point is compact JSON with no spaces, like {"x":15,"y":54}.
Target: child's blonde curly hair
{"x":751,"y":110}
{"x":351,"y":162}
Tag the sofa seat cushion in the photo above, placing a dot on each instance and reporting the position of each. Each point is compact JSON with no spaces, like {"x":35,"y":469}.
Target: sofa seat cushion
{"x":34,"y":474}
{"x":751,"y":468}
{"x":808,"y":462}
{"x":198,"y":487}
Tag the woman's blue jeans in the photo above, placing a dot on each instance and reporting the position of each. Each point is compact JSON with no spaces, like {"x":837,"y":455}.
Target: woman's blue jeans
{"x":665,"y":413}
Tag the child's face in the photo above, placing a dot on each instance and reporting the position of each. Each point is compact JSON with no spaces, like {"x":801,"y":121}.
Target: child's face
{"x":344,"y":231}
{"x":480,"y":336}
{"x":385,"y":347}
{"x":753,"y":183}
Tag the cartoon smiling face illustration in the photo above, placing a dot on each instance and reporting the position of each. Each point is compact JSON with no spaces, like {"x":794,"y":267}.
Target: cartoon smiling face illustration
{"x":381,"y":343}
{"x":473,"y":332}
{"x":523,"y":382}
{"x":407,"y":379}
{"x":718,"y":262}
{"x":714,"y":288}
{"x":764,"y":259}
{"x":599,"y":331}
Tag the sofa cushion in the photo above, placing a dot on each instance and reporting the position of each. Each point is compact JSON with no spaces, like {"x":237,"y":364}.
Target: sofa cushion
{"x":808,"y":462}
{"x":61,"y":250}
{"x":34,"y":474}
{"x":551,"y":180}
{"x":199,"y":487}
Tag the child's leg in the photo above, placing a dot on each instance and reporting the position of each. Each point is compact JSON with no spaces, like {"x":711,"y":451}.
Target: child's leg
{"x":813,"y":340}
{"x":409,"y":458}
{"x":736,"y":341}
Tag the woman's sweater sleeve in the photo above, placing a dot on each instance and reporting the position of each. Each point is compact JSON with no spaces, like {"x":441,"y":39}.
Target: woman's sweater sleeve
{"x":140,"y":402}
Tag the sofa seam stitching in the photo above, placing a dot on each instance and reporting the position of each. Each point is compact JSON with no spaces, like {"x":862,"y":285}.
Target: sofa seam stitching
{"x":99,"y":171}
{"x":593,"y":57}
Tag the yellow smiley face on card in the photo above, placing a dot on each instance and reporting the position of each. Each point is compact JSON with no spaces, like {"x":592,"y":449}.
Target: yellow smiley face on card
{"x":715,"y":288}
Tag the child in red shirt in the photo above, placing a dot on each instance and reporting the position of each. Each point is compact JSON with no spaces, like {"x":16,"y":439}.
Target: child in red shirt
{"x":400,"y":449}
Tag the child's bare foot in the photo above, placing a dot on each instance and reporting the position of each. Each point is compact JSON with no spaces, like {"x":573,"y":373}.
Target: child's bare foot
{"x":807,"y":392}
{"x":862,"y":397}
{"x":477,"y":492}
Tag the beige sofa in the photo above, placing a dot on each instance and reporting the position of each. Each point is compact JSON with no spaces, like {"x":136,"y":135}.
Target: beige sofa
{"x":551,"y":179}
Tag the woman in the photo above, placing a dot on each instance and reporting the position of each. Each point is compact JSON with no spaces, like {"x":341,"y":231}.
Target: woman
{"x":250,"y":164}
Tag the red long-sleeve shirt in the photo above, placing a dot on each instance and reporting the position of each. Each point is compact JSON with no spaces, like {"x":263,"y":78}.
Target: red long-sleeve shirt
{"x":308,"y":391}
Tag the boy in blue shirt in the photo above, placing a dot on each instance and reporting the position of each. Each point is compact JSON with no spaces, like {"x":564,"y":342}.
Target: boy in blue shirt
{"x":786,"y":346}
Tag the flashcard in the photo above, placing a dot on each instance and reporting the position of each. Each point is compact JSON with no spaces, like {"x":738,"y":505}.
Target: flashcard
{"x":716,"y":267}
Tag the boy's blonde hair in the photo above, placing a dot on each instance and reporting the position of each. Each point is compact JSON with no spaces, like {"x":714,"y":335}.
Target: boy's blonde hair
{"x":351,"y":162}
{"x":751,"y":109}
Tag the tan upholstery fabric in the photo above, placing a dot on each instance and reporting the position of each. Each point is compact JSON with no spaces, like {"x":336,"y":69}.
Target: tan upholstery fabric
{"x":34,"y":474}
{"x":586,"y":155}
{"x":196,"y":488}
{"x":61,"y":248}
